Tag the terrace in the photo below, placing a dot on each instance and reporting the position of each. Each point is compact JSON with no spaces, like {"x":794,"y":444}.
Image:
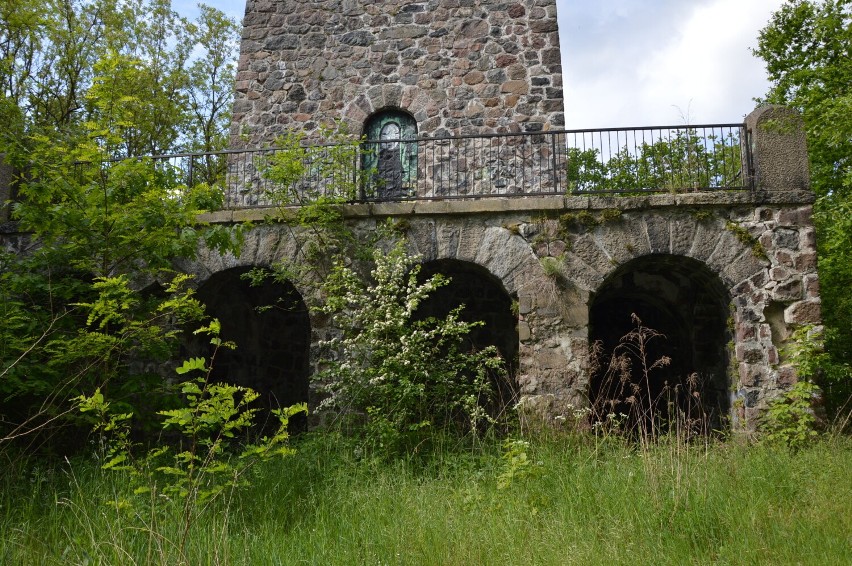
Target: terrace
{"x":627,"y":161}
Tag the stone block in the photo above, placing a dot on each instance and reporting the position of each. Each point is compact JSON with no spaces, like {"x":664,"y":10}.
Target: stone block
{"x":728,"y":248}
{"x":811,"y":285}
{"x":706,"y":239}
{"x":752,"y":375}
{"x":659,"y":234}
{"x":625,"y":240}
{"x":743,"y":267}
{"x":803,"y":312}
{"x":805,"y":261}
{"x":799,"y":216}
{"x":470,"y":239}
{"x":785,"y":238}
{"x":682,"y":234}
{"x":789,"y":290}
{"x":448,"y":237}
{"x":550,"y":358}
{"x":749,"y":353}
{"x":424,"y":239}
{"x":581,"y":274}
{"x":502,"y":252}
{"x":515,"y":87}
{"x":780,"y":155}
{"x":586,"y":248}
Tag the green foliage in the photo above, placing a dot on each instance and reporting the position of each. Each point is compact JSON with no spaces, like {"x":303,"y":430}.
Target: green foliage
{"x":90,"y":81}
{"x":135,"y":72}
{"x":551,"y":266}
{"x":65,"y":337}
{"x":131,"y":216}
{"x":517,"y":464}
{"x":206,"y":463}
{"x":210,"y":87}
{"x":585,"y":220}
{"x":790,"y":419}
{"x":745,"y":237}
{"x":409,"y":378}
{"x":806,"y":351}
{"x":724,"y":504}
{"x":302,"y":174}
{"x":685,"y":161}
{"x":309,"y":185}
{"x":807,"y":48}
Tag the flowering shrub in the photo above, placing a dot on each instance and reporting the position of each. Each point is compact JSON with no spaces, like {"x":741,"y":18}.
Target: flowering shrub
{"x":406,"y":377}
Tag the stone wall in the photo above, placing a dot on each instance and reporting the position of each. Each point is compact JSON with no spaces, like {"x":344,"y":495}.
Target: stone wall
{"x":555,"y":255}
{"x":457,"y":66}
{"x":768,"y":293}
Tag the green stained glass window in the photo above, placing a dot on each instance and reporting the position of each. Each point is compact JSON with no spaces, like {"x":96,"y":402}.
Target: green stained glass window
{"x":390,"y":154}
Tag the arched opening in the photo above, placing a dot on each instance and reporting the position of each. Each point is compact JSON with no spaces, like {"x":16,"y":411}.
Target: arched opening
{"x":485,"y":300}
{"x":652,"y":308}
{"x":390,"y":154}
{"x":269,"y":324}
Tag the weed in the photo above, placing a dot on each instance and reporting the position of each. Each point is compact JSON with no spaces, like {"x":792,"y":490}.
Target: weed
{"x":745,"y":237}
{"x":513,"y":227}
{"x":790,"y":419}
{"x":626,"y":402}
{"x":552,"y":266}
{"x":702,"y":215}
{"x":609,"y":215}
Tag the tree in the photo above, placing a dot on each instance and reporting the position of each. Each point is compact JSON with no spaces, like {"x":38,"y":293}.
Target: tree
{"x":807,"y":48}
{"x":84,"y":83}
{"x":136,"y":68}
{"x":211,"y":79}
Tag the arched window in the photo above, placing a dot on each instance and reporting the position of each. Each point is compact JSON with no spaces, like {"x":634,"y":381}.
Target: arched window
{"x":390,"y":154}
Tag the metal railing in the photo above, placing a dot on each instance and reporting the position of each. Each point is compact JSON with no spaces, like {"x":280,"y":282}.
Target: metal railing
{"x":623,"y":161}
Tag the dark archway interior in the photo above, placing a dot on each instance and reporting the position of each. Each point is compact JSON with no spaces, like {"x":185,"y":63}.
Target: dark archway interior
{"x":485,"y":300}
{"x":273,"y":344}
{"x":687,"y":303}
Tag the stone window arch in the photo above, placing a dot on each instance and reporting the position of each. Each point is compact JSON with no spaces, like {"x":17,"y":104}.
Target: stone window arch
{"x":390,"y":154}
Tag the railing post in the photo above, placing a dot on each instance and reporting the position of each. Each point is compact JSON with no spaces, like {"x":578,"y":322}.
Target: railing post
{"x":358,"y":186}
{"x":555,"y":163}
{"x":191,"y":162}
{"x":6,"y":194}
{"x":778,"y":148}
{"x":747,"y":158}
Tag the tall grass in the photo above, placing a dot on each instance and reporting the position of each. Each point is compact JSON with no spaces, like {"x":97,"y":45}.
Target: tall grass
{"x":577,"y":500}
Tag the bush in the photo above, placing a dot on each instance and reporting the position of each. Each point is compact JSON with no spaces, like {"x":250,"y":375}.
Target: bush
{"x":406,"y":378}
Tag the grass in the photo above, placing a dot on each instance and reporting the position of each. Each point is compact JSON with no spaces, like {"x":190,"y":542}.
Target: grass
{"x":574,"y":500}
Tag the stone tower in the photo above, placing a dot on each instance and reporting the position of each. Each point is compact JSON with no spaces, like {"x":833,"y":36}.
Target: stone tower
{"x":450,"y":67}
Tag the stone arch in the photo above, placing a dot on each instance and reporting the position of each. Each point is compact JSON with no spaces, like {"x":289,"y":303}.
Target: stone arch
{"x":684,"y":300}
{"x":419,"y":103}
{"x":595,"y":254}
{"x":502,"y":253}
{"x":273,"y":344}
{"x":485,"y":299}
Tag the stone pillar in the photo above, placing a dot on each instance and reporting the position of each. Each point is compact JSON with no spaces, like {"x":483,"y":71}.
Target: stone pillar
{"x":776,"y":136}
{"x":6,"y":177}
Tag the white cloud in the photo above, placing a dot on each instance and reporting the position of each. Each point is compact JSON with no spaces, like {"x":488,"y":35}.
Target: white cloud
{"x":661,"y":62}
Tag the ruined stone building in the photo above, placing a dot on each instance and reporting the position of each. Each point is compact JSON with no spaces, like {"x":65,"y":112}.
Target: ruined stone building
{"x":460,"y":102}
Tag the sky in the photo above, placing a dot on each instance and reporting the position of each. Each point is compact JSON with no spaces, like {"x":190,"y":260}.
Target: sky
{"x":647,"y":62}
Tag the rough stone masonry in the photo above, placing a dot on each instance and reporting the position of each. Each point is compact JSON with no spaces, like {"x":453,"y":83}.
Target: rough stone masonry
{"x":729,"y":274}
{"x":457,"y":66}
{"x":692,"y":256}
